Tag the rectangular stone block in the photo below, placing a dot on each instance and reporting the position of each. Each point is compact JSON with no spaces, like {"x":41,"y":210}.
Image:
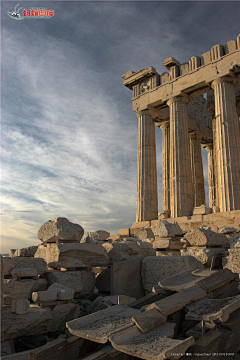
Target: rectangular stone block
{"x":164,"y":78}
{"x":44,"y":296}
{"x":206,"y":58}
{"x":184,"y":68}
{"x":201,"y":210}
{"x":141,"y":224}
{"x":126,"y":278}
{"x":230,"y":46}
{"x":149,"y":320}
{"x":125,"y":232}
{"x":20,"y":306}
{"x":79,"y":255}
{"x":216,"y":280}
{"x":167,"y":244}
{"x":206,"y":237}
{"x":24,"y":262}
{"x":175,"y":302}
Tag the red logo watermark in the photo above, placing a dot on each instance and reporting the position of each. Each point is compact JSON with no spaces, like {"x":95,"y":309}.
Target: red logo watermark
{"x":38,"y":13}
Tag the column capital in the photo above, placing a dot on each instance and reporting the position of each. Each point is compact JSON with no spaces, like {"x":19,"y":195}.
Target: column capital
{"x":208,"y":146}
{"x":224,"y":79}
{"x":193,"y":135}
{"x":143,"y":112}
{"x":183,"y":98}
{"x":164,"y":125}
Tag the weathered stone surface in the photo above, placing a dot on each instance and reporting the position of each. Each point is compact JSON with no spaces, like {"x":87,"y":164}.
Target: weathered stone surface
{"x":63,"y":292}
{"x":204,"y":272}
{"x":99,"y":326}
{"x":228,"y":230}
{"x":206,"y":237}
{"x":180,"y":281}
{"x":167,"y":244}
{"x":126,"y":278}
{"x":123,"y":251}
{"x":98,"y":235}
{"x":153,"y":345}
{"x":22,"y":289}
{"x":143,"y":234}
{"x":201,"y":210}
{"x":7,"y":299}
{"x":149,"y":320}
{"x":82,"y":282}
{"x":7,"y":348}
{"x":23,"y":272}
{"x":158,"y":268}
{"x":205,"y":255}
{"x":20,"y":306}
{"x":39,"y":285}
{"x":168,"y":253}
{"x":213,"y":309}
{"x":61,"y":314}
{"x":125,"y":300}
{"x":175,"y":302}
{"x":165,"y":229}
{"x":60,"y":229}
{"x":24,"y":262}
{"x":33,"y":323}
{"x":103,"y":281}
{"x":75,"y":255}
{"x":45,"y":296}
{"x":26,"y":252}
{"x":216,"y":280}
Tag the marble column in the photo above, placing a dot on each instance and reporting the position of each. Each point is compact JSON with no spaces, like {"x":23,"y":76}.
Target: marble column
{"x":197,"y":169}
{"x":181,"y":187}
{"x":147,"y":196}
{"x":227,"y":140}
{"x":211,"y":175}
{"x":165,"y":164}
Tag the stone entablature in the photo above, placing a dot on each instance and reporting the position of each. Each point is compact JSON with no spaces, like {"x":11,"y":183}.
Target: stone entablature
{"x":174,"y":102}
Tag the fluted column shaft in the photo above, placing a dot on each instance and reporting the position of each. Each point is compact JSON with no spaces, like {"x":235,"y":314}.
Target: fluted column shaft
{"x":165,"y":164}
{"x":227,"y":144}
{"x":181,"y":187}
{"x":197,"y":169}
{"x":211,"y":175}
{"x":147,"y":197}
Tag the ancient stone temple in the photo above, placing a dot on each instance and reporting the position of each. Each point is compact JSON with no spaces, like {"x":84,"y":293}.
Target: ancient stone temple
{"x":174,"y":102}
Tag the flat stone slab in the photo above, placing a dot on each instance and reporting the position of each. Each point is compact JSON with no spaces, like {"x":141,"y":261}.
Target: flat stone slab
{"x":99,"y":326}
{"x":206,"y":237}
{"x":153,"y":345}
{"x":24,"y":262}
{"x":180,"y":281}
{"x":149,"y":320}
{"x":167,"y":244}
{"x":212,"y":309}
{"x":23,"y":272}
{"x":157,"y":268}
{"x":216,"y":280}
{"x":175,"y":302}
{"x":204,"y":272}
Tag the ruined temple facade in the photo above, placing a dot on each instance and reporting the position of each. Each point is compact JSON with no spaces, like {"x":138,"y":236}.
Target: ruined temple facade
{"x":174,"y":102}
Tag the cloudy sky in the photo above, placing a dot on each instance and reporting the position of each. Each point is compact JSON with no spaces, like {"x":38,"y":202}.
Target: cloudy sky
{"x":69,"y":135}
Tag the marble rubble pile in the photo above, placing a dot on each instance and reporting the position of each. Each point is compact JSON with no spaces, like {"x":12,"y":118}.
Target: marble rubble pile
{"x":167,"y":238}
{"x":160,"y":324}
{"x":206,"y":246}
